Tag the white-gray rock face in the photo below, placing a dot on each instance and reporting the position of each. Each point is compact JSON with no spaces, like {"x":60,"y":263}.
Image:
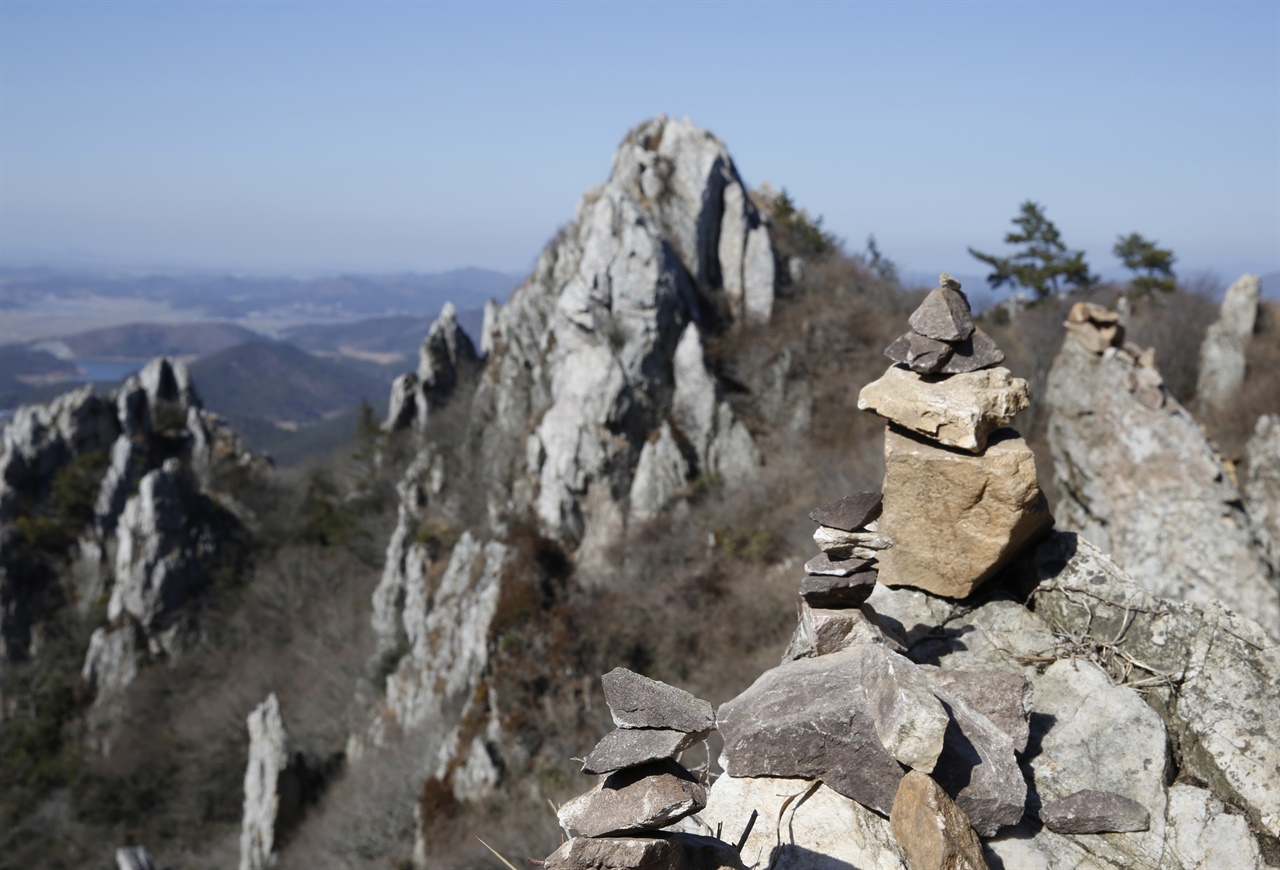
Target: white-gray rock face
{"x":448,"y":634}
{"x":1222,"y":355}
{"x":1262,"y":480}
{"x":166,"y":533}
{"x":661,"y":472}
{"x":446,"y":357}
{"x":1143,"y":484}
{"x":134,"y":858}
{"x":686,"y":179}
{"x":264,"y":777}
{"x":40,"y":439}
{"x":1210,"y":671}
{"x":723,"y":446}
{"x":113,"y":657}
{"x":799,"y":824}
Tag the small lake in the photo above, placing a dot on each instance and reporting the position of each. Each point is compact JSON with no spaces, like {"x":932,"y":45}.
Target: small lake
{"x":109,"y":370}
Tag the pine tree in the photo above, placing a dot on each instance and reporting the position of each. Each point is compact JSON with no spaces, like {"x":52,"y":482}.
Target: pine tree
{"x":1142,"y":255}
{"x":1045,"y":264}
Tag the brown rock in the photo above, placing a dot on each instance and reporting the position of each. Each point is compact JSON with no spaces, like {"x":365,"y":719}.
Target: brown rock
{"x":850,"y":513}
{"x":644,"y":798}
{"x":918,"y":353}
{"x":943,"y":315}
{"x":958,"y":411}
{"x":629,"y":747}
{"x":825,"y":590}
{"x":979,"y":351}
{"x":933,"y":832}
{"x":956,"y":519}
{"x":1094,"y":327}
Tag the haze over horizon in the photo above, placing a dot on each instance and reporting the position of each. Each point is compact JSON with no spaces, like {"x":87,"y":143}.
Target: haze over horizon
{"x":388,"y":137}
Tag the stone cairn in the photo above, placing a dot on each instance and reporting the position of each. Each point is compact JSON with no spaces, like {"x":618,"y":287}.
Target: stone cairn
{"x":846,"y":718}
{"x":642,"y":788}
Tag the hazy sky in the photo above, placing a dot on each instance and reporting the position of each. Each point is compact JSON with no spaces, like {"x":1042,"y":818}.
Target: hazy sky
{"x":376,"y":136}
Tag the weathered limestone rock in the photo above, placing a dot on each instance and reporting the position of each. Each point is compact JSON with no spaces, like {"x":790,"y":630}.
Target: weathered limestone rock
{"x":1222,"y":355}
{"x":447,"y":631}
{"x":823,"y":564}
{"x":643,"y":798}
{"x":958,"y":411}
{"x":826,"y":590}
{"x":167,"y":534}
{"x":446,"y":357}
{"x":957,"y":519}
{"x":1202,"y":835}
{"x":908,"y":718}
{"x":685,"y":177}
{"x":1262,"y":481}
{"x":837,"y":541}
{"x":793,"y":824}
{"x":661,"y":472}
{"x":1222,"y":669}
{"x":134,"y":858}
{"x":849,"y":514}
{"x":722,"y":444}
{"x":113,"y":657}
{"x":934,"y":833}
{"x":631,"y":747}
{"x":636,"y":701}
{"x":272,"y":798}
{"x":1094,"y":327}
{"x":1143,"y":484}
{"x":1094,"y":812}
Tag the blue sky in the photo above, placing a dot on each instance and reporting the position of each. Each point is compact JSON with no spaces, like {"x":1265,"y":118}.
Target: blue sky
{"x":379,"y":136}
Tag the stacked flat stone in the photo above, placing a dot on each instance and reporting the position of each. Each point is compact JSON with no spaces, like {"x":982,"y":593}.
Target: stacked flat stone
{"x":642,"y":788}
{"x":844,"y":573}
{"x":961,"y":497}
{"x":942,"y":338}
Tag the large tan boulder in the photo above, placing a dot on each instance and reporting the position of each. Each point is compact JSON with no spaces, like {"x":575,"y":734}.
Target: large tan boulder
{"x":955,"y":518}
{"x":958,"y":411}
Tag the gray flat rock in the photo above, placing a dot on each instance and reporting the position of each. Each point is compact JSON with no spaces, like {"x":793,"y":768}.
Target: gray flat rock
{"x":820,"y":632}
{"x":979,"y":351}
{"x":1095,"y":812}
{"x":639,"y":702}
{"x":644,"y":798}
{"x":823,"y":563}
{"x":839,"y":541}
{"x":616,"y":853}
{"x":943,"y":315}
{"x":1001,"y":696}
{"x":826,"y":590}
{"x":849,"y":513}
{"x":810,"y":719}
{"x":629,"y":747}
{"x":919,"y":353}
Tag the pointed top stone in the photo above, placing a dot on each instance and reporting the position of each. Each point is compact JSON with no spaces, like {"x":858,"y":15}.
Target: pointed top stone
{"x":943,"y":315}
{"x":945,"y":280}
{"x":636,"y":701}
{"x":978,"y":351}
{"x":849,"y":513}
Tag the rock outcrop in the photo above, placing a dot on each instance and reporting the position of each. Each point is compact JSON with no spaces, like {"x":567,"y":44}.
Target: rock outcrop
{"x":595,"y":405}
{"x":272,"y":793}
{"x":1136,"y":476}
{"x":1222,"y":355}
{"x":1262,"y":480}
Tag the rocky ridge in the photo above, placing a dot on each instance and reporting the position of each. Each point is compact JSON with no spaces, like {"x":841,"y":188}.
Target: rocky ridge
{"x":1043,"y":727}
{"x":594,"y":408}
{"x":1136,"y":476}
